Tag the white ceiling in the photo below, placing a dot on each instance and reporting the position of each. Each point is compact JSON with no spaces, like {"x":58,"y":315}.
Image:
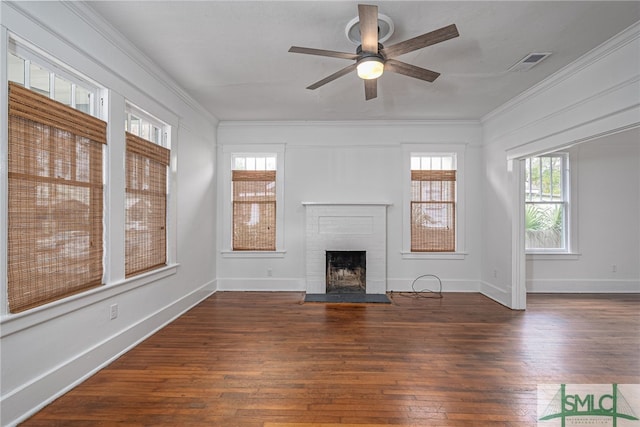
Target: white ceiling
{"x":231,"y":56}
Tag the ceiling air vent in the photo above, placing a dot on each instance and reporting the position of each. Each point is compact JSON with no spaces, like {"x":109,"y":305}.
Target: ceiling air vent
{"x":529,"y":61}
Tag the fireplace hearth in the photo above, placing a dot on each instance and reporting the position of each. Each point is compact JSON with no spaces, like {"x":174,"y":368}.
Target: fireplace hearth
{"x":346,"y":272}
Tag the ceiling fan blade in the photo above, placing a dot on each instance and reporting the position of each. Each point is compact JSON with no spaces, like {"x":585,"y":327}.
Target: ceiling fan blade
{"x":370,"y":89}
{"x":322,"y":52}
{"x":410,"y":70}
{"x":368,"y":17}
{"x":332,"y":77}
{"x":428,"y":39}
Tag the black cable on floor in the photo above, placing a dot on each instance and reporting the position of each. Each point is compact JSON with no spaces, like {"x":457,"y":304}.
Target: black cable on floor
{"x":423,"y":293}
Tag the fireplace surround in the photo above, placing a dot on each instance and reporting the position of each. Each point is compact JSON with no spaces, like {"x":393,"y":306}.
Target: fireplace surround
{"x":345,"y":227}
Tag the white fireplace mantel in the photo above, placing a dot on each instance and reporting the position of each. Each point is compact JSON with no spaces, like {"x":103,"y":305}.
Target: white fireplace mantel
{"x":346,"y":226}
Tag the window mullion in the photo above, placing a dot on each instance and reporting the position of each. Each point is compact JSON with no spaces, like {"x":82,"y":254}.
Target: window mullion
{"x":27,"y":73}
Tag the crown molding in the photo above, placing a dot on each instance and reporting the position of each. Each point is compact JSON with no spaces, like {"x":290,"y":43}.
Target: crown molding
{"x":121,"y":43}
{"x":348,"y":123}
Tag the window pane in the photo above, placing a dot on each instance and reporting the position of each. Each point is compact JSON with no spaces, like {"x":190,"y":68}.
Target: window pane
{"x":415,"y":163}
{"x":271,"y":164}
{"x":39,"y":79}
{"x":447,"y":163}
{"x":62,"y":91}
{"x":544,"y":224}
{"x":251,"y":163}
{"x":239,"y":163}
{"x":556,"y":179}
{"x":260,"y":163}
{"x":15,"y":69}
{"x":436,"y":163}
{"x":146,"y":130}
{"x":83,"y":99}
{"x":155,"y":135}
{"x":135,"y":125}
{"x":546,"y":178}
{"x":426,"y":163}
{"x":534,"y":188}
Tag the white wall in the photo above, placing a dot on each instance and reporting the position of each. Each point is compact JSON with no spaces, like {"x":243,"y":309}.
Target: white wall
{"x":47,"y":350}
{"x":608,"y":227}
{"x":577,"y":104}
{"x":353,"y":162}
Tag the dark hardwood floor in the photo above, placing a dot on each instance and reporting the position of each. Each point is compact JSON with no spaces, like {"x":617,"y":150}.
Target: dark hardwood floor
{"x":269,"y":360}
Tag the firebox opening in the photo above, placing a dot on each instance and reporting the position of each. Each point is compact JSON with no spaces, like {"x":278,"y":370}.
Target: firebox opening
{"x":346,"y":271}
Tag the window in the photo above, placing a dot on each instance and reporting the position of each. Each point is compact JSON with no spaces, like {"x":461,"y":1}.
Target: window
{"x":26,"y":68}
{"x":146,"y":194}
{"x":140,"y":124}
{"x":55,"y":199}
{"x":546,"y":203}
{"x":433,"y":203}
{"x":254,"y":203}
{"x":251,"y":200}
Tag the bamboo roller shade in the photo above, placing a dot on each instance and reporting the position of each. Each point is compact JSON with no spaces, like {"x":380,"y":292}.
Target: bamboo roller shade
{"x":146,"y":205}
{"x":32,"y":106}
{"x":55,"y":200}
{"x":433,"y":175}
{"x":433,"y":213}
{"x":254,"y":210}
{"x":147,"y":149}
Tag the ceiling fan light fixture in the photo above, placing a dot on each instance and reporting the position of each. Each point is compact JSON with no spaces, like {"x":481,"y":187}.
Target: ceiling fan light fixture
{"x":370,"y":67}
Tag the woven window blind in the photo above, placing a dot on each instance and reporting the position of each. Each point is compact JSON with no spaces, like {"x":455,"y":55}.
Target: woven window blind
{"x":433,"y":210}
{"x":254,"y":210}
{"x":55,"y":215}
{"x":146,"y":206}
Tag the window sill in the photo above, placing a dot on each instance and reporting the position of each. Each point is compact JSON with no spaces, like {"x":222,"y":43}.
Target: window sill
{"x":12,"y":323}
{"x":433,"y":255}
{"x":253,"y":254}
{"x":553,"y":256}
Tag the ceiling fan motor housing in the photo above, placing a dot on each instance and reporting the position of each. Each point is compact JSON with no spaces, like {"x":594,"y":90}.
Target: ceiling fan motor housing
{"x":360,"y":52}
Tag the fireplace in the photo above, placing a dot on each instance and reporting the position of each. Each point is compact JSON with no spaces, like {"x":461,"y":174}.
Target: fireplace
{"x":346,"y":272}
{"x":347,"y":228}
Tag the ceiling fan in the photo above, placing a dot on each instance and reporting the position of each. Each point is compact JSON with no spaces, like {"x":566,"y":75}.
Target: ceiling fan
{"x":372,"y":59}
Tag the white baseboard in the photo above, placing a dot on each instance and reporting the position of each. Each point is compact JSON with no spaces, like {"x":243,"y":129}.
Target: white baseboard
{"x":17,"y":405}
{"x":432,"y":284}
{"x":605,"y":286}
{"x":496,"y":293}
{"x":270,"y":284}
{"x":212,"y":286}
{"x":299,"y":285}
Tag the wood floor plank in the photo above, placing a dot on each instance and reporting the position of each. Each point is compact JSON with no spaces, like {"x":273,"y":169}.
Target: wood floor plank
{"x":270,"y":360}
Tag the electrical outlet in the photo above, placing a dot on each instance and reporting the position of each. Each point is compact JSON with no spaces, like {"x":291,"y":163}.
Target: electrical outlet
{"x":113,"y":312}
{"x":269,"y":272}
{"x":614,"y":268}
{"x":495,"y":273}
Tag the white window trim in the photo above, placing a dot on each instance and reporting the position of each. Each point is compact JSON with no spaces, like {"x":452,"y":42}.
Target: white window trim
{"x":4,"y":177}
{"x":228,"y":151}
{"x":409,"y":149}
{"x":570,"y":181}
